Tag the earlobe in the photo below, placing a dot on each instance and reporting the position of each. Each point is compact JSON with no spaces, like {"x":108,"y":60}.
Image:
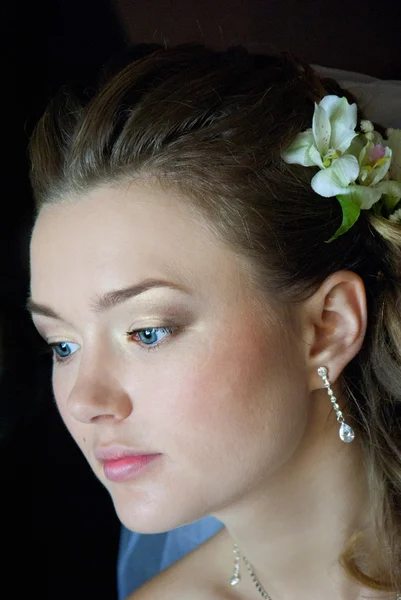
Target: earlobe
{"x":336,"y":320}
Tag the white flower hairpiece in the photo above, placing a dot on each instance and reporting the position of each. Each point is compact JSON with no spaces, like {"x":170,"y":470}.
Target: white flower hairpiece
{"x":361,"y":169}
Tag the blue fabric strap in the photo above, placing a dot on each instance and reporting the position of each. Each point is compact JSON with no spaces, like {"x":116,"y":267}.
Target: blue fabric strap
{"x":141,"y":557}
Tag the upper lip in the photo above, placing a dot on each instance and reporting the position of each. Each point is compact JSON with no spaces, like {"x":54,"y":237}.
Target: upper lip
{"x":115,"y":451}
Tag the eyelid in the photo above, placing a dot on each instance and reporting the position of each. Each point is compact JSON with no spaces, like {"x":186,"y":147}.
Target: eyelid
{"x":173,"y":331}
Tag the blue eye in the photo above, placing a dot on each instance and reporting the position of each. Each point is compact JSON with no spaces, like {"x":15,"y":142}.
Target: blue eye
{"x":63,"y":350}
{"x":148,"y":338}
{"x":150,"y":341}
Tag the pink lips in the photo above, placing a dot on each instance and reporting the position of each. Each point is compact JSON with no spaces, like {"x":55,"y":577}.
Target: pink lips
{"x":127,"y":467}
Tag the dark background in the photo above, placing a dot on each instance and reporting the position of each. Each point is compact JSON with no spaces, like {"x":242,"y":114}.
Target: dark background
{"x":59,"y":532}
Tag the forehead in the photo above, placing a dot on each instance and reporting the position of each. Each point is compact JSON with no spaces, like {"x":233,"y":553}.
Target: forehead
{"x":115,"y":236}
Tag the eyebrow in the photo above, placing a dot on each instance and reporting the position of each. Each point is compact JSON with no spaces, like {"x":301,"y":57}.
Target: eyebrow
{"x":110,"y":299}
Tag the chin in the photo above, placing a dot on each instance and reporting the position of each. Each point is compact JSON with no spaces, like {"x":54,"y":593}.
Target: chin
{"x":146,"y":521}
{"x":151,"y":517}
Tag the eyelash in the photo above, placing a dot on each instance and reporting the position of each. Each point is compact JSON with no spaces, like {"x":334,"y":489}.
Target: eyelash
{"x":171,"y":330}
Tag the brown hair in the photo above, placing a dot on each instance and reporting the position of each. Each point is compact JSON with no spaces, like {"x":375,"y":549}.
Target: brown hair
{"x":211,"y":125}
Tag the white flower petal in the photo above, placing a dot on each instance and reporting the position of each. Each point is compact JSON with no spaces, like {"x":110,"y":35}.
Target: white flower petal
{"x":301,"y":150}
{"x":321,"y":129}
{"x":324,"y":185}
{"x":364,"y":196}
{"x":315,"y":157}
{"x":341,"y":137}
{"x":330,"y":104}
{"x":363,"y":156}
{"x":392,"y":188}
{"x":337,"y":177}
{"x":345,"y":169}
{"x":340,"y":111}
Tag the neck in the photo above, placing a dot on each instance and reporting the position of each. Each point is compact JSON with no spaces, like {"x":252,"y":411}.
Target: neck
{"x":293,"y":527}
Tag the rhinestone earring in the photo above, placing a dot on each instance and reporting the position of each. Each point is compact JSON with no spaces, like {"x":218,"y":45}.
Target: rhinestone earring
{"x":346,"y":432}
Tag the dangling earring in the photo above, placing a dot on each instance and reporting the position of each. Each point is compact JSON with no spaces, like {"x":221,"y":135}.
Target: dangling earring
{"x":346,"y":432}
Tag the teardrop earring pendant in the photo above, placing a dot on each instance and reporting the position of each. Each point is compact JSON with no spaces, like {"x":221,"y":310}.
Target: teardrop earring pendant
{"x":346,"y":432}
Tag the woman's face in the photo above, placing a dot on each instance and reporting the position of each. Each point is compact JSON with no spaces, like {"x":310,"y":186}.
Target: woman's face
{"x":221,"y":396}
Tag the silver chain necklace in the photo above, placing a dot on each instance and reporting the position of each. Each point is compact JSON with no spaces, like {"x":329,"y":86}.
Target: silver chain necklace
{"x":236,"y":576}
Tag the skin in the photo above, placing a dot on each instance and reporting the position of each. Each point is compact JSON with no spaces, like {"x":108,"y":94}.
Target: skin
{"x":232,"y":400}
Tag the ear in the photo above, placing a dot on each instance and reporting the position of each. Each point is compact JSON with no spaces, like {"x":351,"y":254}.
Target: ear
{"x":334,"y":324}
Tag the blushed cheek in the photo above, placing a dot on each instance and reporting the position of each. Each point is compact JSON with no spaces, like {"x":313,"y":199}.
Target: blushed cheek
{"x":222,"y":431}
{"x":230,"y":392}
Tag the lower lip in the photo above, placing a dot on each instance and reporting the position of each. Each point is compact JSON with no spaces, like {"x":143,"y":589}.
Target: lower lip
{"x":128,"y":467}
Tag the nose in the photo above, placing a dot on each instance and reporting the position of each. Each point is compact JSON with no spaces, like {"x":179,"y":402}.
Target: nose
{"x":98,"y":395}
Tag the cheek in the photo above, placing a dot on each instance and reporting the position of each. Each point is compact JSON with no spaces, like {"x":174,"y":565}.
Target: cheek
{"x":236,"y":399}
{"x":244,"y":421}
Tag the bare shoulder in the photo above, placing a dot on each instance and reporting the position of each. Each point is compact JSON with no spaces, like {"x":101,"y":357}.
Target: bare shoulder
{"x":194,"y":577}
